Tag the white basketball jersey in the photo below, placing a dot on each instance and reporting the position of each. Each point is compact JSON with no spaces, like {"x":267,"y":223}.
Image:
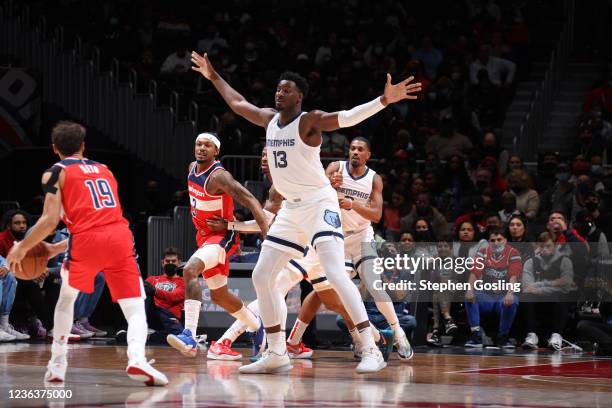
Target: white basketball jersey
{"x":357,"y":189}
{"x":295,"y":167}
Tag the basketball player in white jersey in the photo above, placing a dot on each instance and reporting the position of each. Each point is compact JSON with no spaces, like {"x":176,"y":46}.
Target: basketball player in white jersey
{"x":360,"y":197}
{"x":293,"y":273}
{"x":310,"y":213}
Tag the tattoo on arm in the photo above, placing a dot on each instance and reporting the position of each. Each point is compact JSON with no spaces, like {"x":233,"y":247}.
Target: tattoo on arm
{"x":223,"y":180}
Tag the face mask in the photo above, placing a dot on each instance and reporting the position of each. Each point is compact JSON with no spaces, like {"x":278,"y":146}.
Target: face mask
{"x":497,"y":249}
{"x":170,"y":270}
{"x":591,"y":206}
{"x":19,"y":235}
{"x":563,"y":177}
{"x":596,"y":169}
{"x":421,"y":236}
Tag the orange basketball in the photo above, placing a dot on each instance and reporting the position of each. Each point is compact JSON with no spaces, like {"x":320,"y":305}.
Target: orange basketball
{"x":35,"y":262}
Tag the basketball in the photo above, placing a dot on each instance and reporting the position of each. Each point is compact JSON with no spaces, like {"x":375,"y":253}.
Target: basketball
{"x":35,"y":262}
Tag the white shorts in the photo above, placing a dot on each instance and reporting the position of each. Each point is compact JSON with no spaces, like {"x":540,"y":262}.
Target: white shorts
{"x":358,"y":247}
{"x":299,"y":224}
{"x":309,"y":268}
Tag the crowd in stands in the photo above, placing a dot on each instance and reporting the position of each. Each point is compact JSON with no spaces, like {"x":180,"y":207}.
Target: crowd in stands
{"x":470,"y":197}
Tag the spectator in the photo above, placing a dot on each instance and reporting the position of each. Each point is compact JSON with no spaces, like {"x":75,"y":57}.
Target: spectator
{"x":500,"y":71}
{"x":559,"y":197}
{"x":448,"y":142}
{"x":518,"y":236}
{"x":423,"y":208}
{"x":498,"y":184}
{"x":502,"y":263}
{"x":458,"y":180}
{"x":489,"y":146}
{"x":177,"y":63}
{"x":430,"y":56}
{"x":8,"y":286}
{"x":594,"y":236}
{"x":441,"y":301}
{"x":392,"y":214}
{"x":527,"y":200}
{"x":29,"y":300}
{"x":547,"y":279}
{"x":577,"y":250}
{"x":548,"y":168}
{"x":334,"y":144}
{"x":599,"y":332}
{"x":493,"y":220}
{"x":166,"y":296}
{"x":467,"y":241}
{"x":508,"y":207}
{"x":14,"y":227}
{"x":482,"y":199}
{"x":485,"y":100}
{"x":601,"y":95}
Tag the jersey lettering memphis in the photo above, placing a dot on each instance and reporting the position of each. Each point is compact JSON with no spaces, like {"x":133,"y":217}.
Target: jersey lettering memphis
{"x":280,"y":142}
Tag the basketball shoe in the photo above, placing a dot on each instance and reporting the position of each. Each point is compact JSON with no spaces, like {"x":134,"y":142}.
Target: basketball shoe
{"x":143,"y":371}
{"x":299,"y":350}
{"x":269,"y":363}
{"x":184,"y":342}
{"x":223,"y":351}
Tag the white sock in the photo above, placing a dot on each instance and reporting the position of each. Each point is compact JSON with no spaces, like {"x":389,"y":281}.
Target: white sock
{"x":299,"y":327}
{"x":233,"y":332}
{"x":4,"y":321}
{"x":134,"y":311}
{"x":192,"y":315}
{"x":84,"y":320}
{"x":62,"y":319}
{"x":475,"y":328}
{"x":247,"y":317}
{"x":355,"y":335}
{"x":276,"y":342}
{"x":367,"y":338}
{"x":375,"y":333}
{"x":332,"y":260}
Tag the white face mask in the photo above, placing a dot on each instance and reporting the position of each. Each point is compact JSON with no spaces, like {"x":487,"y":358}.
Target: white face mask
{"x":497,"y":249}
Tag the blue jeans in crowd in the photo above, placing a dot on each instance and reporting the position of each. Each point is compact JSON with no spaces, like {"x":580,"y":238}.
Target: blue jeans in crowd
{"x":8,"y":287}
{"x":406,"y":321}
{"x":86,"y":303}
{"x":492,"y":303}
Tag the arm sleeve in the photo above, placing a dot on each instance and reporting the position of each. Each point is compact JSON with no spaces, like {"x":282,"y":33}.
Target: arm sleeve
{"x":360,"y":113}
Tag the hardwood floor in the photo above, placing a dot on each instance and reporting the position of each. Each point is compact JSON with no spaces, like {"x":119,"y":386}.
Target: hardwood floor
{"x":433,"y":378}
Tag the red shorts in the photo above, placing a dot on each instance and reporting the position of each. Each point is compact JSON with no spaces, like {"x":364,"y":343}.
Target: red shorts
{"x":109,"y":249}
{"x":229,"y":242}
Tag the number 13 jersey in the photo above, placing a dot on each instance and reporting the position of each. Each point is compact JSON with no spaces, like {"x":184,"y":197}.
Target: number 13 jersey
{"x":89,"y":195}
{"x":296,"y":168}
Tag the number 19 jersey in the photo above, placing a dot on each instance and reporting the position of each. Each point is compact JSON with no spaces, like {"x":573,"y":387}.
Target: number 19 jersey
{"x":296,"y":168}
{"x":89,"y":195}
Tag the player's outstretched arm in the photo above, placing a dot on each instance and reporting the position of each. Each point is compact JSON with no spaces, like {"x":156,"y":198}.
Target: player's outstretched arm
{"x":372,"y":210}
{"x":223,"y":180}
{"x":327,"y":122}
{"x":45,"y":225}
{"x":237,"y":102}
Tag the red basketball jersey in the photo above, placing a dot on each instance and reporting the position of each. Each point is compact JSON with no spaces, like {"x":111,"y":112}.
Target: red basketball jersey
{"x":205,"y":205}
{"x":89,"y":195}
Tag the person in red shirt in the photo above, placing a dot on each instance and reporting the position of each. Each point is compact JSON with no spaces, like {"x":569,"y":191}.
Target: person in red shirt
{"x":166,"y":295}
{"x":84,"y":192}
{"x":15,"y":227}
{"x":500,"y":264}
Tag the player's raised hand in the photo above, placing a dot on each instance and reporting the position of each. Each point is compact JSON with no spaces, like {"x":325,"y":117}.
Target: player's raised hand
{"x":400,"y":91}
{"x":202,"y":65}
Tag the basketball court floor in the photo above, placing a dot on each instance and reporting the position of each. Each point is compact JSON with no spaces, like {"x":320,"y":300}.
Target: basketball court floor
{"x":447,"y":377}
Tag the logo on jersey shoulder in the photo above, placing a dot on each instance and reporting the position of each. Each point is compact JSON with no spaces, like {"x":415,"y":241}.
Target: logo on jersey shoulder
{"x":332,"y":218}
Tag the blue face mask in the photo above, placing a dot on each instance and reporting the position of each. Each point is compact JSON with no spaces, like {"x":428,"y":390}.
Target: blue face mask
{"x":497,"y":249}
{"x":597,"y":169}
{"x":563,"y":177}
